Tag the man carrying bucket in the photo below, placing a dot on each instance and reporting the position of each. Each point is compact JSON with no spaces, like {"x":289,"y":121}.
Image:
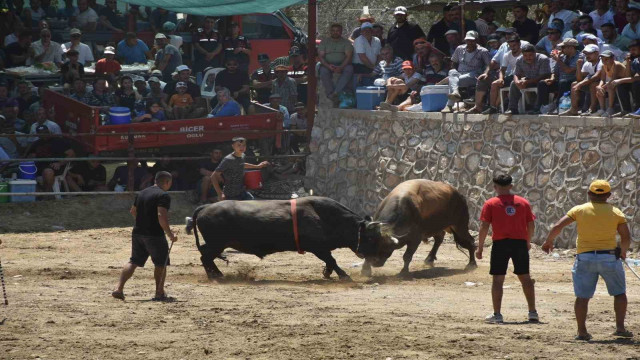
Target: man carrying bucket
{"x":231,"y":169}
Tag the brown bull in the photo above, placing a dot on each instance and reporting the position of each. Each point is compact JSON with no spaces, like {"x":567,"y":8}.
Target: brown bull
{"x":416,"y":210}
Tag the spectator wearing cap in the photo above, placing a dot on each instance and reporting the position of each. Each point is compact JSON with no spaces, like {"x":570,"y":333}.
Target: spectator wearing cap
{"x":237,"y":46}
{"x":20,"y":53}
{"x":531,"y":68}
{"x":526,"y":28}
{"x":45,"y":50}
{"x":598,"y":254}
{"x":563,"y":74}
{"x":504,"y":78}
{"x":262,"y":79}
{"x":487,"y":15}
{"x":620,"y":14}
{"x":225,"y":105}
{"x":298,"y":72}
{"x":181,"y":102}
{"x":469,"y":61}
{"x":285,"y":86}
{"x":159,"y":16}
{"x":131,"y":50}
{"x":450,"y":21}
{"x":422,"y":51}
{"x":108,"y":66}
{"x":551,"y":41}
{"x":611,"y":37}
{"x":364,"y":18}
{"x":587,"y":78}
{"x":558,"y":12}
{"x":155,"y":92}
{"x":110,"y":18}
{"x":367,"y":50}
{"x":207,"y":45}
{"x":610,"y":72}
{"x":72,"y":69}
{"x":602,"y":14}
{"x":236,"y":81}
{"x":402,"y":34}
{"x":452,"y":38}
{"x":493,"y":44}
{"x":335,"y":54}
{"x":85,"y":55}
{"x":410,"y":80}
{"x":169,"y":29}
{"x":632,"y":29}
{"x":87,"y":18}
{"x":168,"y":57}
{"x":41,"y":120}
{"x":184,"y":76}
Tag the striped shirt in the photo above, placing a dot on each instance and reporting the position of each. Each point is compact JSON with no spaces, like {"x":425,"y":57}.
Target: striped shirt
{"x":476,"y":60}
{"x":288,"y":89}
{"x":539,"y":68}
{"x":386,"y":70}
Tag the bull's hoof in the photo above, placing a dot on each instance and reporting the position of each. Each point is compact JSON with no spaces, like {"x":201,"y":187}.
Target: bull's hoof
{"x":404,"y":274}
{"x":429,"y":262}
{"x":471,"y":266}
{"x":326,"y":272}
{"x":345,"y":278}
{"x":212,"y":275}
{"x":366,"y":272}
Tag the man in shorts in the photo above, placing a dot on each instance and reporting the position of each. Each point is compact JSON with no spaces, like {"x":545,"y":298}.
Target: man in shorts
{"x":150,"y":209}
{"x":511,"y":222}
{"x":231,"y":169}
{"x":596,"y":256}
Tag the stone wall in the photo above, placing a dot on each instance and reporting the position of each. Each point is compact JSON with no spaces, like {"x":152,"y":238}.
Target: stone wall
{"x":359,"y":156}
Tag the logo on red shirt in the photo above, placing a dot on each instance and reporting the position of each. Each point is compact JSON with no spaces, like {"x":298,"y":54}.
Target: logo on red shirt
{"x":510,"y":210}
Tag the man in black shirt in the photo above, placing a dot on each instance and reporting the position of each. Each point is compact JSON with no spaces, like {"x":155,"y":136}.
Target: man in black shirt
{"x":151,"y":211}
{"x":206,"y":169}
{"x":19,"y":52}
{"x":236,"y":80}
{"x":237,"y":46}
{"x":525,"y":27}
{"x":402,"y":34}
{"x":451,"y":20}
{"x":262,"y":79}
{"x":87,"y":176}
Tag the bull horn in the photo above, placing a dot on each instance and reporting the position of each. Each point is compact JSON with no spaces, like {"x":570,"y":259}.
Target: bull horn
{"x":395,"y":241}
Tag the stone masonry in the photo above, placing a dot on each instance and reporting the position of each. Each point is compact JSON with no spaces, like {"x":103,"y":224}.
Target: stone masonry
{"x":357,"y":157}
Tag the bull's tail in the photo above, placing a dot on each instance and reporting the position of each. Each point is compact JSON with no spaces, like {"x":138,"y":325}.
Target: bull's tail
{"x":192,"y":226}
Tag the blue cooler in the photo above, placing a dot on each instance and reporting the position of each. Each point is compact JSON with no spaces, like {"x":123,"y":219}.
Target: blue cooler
{"x":119,"y":115}
{"x":19,"y":186}
{"x":434,"y":97}
{"x":368,"y":97}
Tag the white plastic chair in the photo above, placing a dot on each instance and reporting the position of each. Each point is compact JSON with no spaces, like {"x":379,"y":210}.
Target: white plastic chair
{"x":61,"y":179}
{"x":204,"y":91}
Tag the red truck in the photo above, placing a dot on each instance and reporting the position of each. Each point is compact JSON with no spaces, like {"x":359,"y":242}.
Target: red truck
{"x":83,"y":122}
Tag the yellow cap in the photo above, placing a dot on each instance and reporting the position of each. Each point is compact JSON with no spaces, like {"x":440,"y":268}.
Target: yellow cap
{"x":600,"y":187}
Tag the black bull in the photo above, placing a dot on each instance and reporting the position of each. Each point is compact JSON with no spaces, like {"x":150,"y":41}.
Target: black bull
{"x":266,"y":227}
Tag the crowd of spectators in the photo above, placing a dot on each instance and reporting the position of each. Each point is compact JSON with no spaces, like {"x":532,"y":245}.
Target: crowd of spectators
{"x":586,"y":48}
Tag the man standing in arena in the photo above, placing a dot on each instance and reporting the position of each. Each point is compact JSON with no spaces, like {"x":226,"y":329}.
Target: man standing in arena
{"x":597,"y":254}
{"x":511,"y":222}
{"x":231,"y":169}
{"x":151,"y":211}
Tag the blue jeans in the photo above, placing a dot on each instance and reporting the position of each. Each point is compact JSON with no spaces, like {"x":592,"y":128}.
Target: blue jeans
{"x":589,"y":266}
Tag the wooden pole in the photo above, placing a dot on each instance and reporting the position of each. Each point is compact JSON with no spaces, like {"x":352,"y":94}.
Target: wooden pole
{"x":462,"y":20}
{"x":132,"y":165}
{"x":312,"y":80}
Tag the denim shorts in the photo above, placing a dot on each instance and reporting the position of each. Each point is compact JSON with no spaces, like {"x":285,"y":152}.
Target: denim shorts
{"x":589,"y":266}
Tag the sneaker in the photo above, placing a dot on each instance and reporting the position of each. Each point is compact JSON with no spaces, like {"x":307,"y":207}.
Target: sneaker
{"x":490,"y":110}
{"x":620,"y":114}
{"x":533,"y":316}
{"x":598,"y":113}
{"x":494,"y":318}
{"x":455,"y":96}
{"x":636,"y":114}
{"x":385,"y":106}
{"x":608,"y":113}
{"x":569,"y":112}
{"x":511,"y":112}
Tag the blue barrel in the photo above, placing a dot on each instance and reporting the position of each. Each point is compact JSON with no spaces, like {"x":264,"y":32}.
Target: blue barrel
{"x":28,"y":170}
{"x":119,"y":115}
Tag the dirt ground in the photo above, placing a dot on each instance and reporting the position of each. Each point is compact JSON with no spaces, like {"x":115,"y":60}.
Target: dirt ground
{"x":59,"y":282}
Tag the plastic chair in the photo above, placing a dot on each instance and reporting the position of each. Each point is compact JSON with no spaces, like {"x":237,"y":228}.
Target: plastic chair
{"x":61,"y":179}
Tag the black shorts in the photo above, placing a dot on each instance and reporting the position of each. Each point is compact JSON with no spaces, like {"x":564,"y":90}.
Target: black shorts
{"x":505,"y":249}
{"x":143,"y":246}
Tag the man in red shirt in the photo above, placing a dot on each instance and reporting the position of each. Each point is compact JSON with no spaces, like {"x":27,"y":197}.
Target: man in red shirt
{"x":511,"y":221}
{"x":108,"y":65}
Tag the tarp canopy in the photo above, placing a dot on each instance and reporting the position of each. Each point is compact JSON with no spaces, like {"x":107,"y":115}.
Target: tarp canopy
{"x":217,"y":7}
{"x":435,"y":5}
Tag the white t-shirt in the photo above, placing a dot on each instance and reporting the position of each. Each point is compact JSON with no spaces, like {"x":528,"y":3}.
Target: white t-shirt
{"x":87,"y":16}
{"x":84,"y":52}
{"x":176,"y":41}
{"x":10,"y":39}
{"x":362,"y":46}
{"x":565,"y":15}
{"x":53,"y":129}
{"x":509,"y":62}
{"x":591,"y":69}
{"x":54,"y":53}
{"x":598,"y":20}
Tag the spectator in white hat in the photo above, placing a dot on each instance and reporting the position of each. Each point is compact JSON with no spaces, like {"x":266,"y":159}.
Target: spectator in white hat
{"x":402,"y":34}
{"x":108,"y":66}
{"x":85,"y":55}
{"x":168,"y":57}
{"x":611,"y":71}
{"x":588,"y":78}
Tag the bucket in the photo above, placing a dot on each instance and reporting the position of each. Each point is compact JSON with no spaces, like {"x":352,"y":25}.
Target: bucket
{"x":18,"y":186}
{"x":4,"y":188}
{"x":119,"y":115}
{"x":253,"y":179}
{"x":434,"y":97}
{"x":28,"y":170}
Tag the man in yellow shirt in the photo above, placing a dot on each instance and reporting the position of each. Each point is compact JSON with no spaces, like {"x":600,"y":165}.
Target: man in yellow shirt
{"x":596,"y":256}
